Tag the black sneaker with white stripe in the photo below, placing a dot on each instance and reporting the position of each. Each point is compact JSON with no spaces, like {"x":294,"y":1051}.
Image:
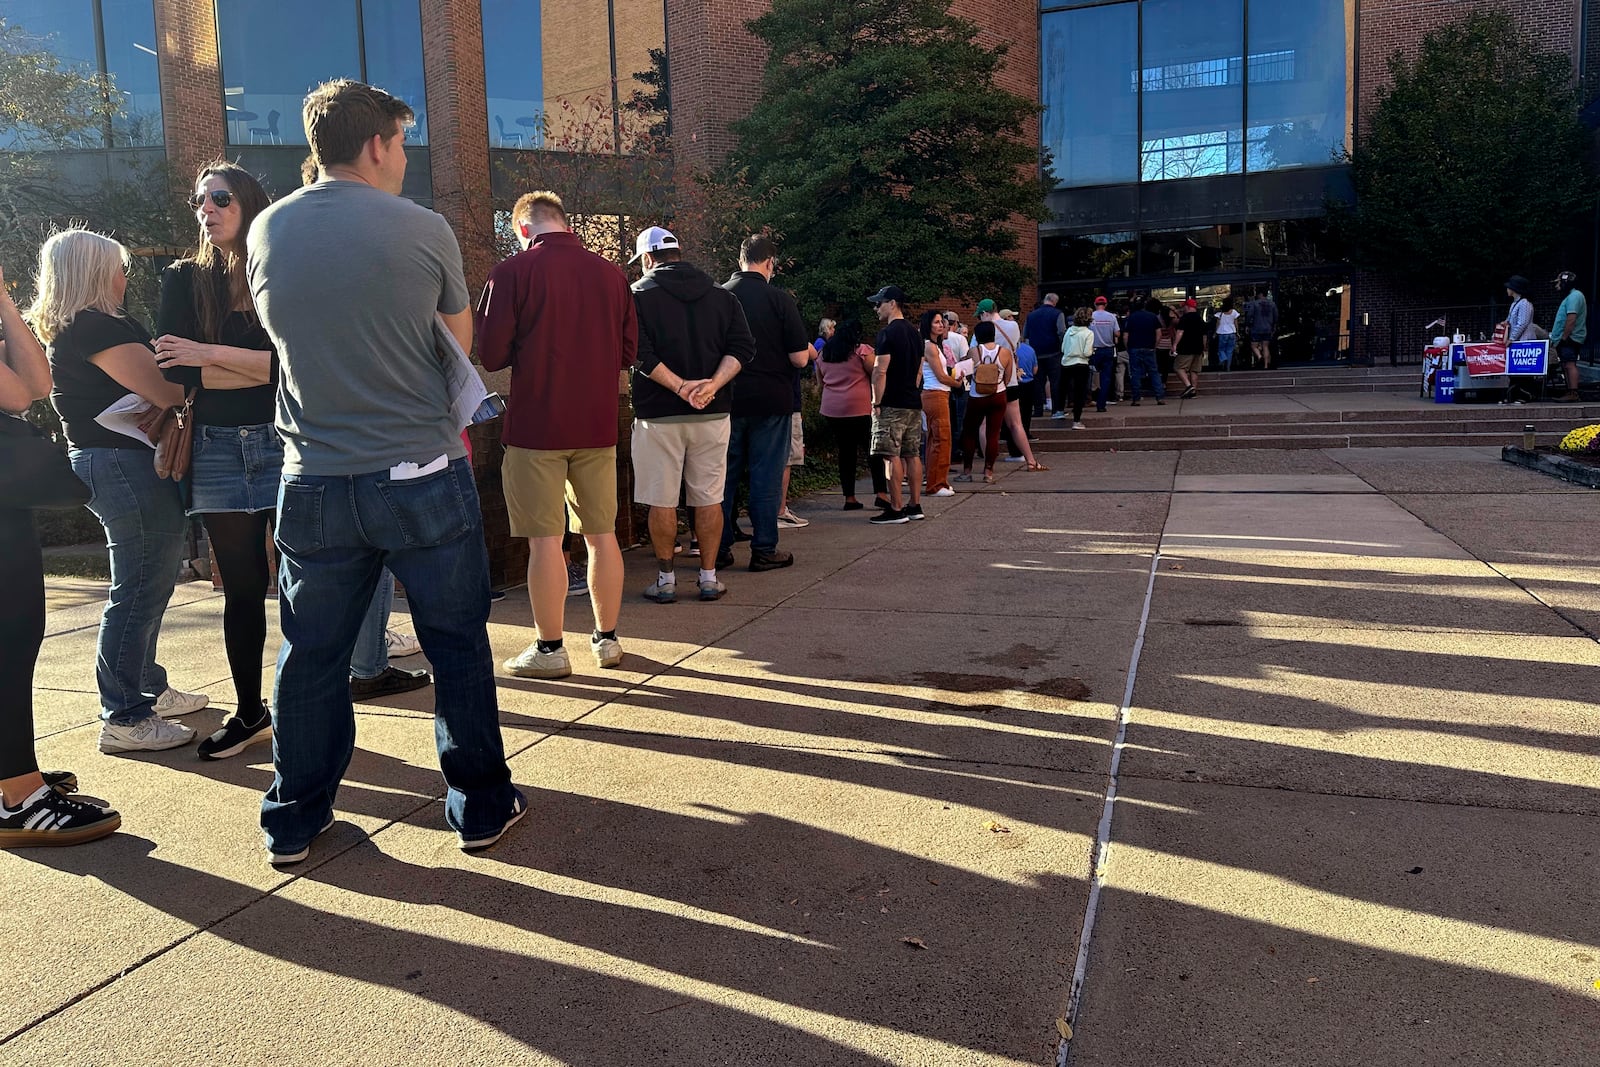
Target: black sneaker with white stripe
{"x":48,"y":818}
{"x":235,"y":736}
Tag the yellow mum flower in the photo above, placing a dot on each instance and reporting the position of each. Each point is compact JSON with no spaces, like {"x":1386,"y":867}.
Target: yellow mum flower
{"x":1581,"y":440}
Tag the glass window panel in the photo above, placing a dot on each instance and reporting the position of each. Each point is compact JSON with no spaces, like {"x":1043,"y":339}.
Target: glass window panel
{"x":270,"y":62}
{"x":577,"y":75}
{"x":1095,"y":255}
{"x":393,"y":32}
{"x":1089,"y":87}
{"x":513,"y":72}
{"x":1292,"y":243}
{"x":65,"y":29}
{"x":1192,"y":73}
{"x":1298,"y":83}
{"x":130,"y":32}
{"x":1199,"y":250}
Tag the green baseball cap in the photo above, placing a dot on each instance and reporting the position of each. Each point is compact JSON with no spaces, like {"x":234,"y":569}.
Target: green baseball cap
{"x":986,"y":306}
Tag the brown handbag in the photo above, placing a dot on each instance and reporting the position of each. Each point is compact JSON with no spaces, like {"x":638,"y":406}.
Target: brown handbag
{"x":174,"y":440}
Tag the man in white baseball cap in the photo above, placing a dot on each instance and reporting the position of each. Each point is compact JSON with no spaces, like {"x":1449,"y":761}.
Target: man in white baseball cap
{"x":652,"y":240}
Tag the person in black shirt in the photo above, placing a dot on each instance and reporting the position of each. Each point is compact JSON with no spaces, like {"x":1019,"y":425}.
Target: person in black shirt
{"x":763,"y":404}
{"x":897,"y":405}
{"x":212,"y":342}
{"x":1190,"y":349}
{"x":98,"y":357}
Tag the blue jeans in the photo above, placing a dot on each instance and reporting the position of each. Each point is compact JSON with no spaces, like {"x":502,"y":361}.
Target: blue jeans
{"x":1104,"y":360}
{"x":371,"y":657}
{"x":145,"y":530}
{"x":759,"y":443}
{"x":1225,"y":346}
{"x":335,"y":536}
{"x":1142,"y":364}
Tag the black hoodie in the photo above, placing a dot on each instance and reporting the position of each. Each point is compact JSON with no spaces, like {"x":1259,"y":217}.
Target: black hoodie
{"x":689,"y":323}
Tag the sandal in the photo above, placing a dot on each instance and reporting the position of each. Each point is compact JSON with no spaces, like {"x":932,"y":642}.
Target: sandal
{"x":1036,"y":467}
{"x":988,"y":477}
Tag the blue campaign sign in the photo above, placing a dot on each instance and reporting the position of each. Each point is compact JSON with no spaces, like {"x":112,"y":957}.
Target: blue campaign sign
{"x":1444,"y":387}
{"x":1527,"y":357}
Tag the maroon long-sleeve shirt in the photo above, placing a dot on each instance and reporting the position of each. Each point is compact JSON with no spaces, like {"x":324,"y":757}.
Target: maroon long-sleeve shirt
{"x":562,"y":318}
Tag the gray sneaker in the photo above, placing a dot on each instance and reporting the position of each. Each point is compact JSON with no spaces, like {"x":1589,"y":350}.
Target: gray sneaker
{"x":153,"y":734}
{"x":712,"y":590}
{"x":661,"y":594}
{"x":531,"y":663}
{"x":607,"y":651}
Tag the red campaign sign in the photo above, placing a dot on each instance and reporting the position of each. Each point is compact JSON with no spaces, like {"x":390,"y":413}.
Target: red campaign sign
{"x":1484,"y":359}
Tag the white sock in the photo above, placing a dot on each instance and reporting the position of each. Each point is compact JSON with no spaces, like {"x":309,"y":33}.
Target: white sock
{"x":31,"y":798}
{"x":666,"y":577}
{"x":708,"y":575}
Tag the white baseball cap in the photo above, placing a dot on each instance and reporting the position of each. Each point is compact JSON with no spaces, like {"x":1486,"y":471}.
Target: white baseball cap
{"x":653,"y":240}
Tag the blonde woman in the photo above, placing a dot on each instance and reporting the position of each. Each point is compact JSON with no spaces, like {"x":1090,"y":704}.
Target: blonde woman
{"x":98,"y":355}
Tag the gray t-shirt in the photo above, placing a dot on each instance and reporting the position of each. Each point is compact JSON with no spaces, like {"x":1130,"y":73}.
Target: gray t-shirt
{"x":347,"y":279}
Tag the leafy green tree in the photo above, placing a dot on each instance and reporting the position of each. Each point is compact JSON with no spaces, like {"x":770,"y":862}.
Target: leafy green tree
{"x":1475,"y":164}
{"x":882,"y":151}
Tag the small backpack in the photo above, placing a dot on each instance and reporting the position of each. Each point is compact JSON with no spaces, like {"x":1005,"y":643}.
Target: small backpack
{"x":986,"y":377}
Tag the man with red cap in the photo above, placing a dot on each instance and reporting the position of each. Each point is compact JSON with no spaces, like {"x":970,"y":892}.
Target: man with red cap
{"x":1106,"y":331}
{"x":1190,"y":349}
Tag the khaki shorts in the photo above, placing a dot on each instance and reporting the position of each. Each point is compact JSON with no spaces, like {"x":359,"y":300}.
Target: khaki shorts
{"x":541,"y":485}
{"x":797,"y":441}
{"x":684,"y":454}
{"x":1193,"y":364}
{"x":897,"y":432}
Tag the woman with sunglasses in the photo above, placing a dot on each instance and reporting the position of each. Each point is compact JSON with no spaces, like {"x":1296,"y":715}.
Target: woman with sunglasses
{"x":212,"y":341}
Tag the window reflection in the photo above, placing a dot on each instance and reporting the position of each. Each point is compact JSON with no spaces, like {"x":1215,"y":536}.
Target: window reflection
{"x":1299,"y":120}
{"x":1094,"y":255}
{"x":550,"y":75}
{"x":270,"y":61}
{"x":1090,"y":60}
{"x":1197,"y":250}
{"x":1194,"y":117}
{"x":65,"y":29}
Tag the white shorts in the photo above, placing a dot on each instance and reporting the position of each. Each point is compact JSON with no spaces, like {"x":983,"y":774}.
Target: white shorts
{"x":681,"y":454}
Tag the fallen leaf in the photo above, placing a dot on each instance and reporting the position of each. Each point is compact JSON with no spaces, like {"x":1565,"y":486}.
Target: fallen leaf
{"x":914,"y":942}
{"x":1064,"y":1028}
{"x":997,"y":828}
{"x":932,"y":882}
{"x":1312,"y":981}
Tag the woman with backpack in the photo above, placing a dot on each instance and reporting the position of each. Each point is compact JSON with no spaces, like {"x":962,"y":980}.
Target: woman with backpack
{"x":993,"y":365}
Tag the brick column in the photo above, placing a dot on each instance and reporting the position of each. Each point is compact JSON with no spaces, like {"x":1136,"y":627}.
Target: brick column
{"x":191,"y":85}
{"x":715,"y":65}
{"x":458,"y":129}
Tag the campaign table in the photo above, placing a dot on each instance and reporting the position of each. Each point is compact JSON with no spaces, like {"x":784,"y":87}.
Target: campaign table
{"x":1448,"y":371}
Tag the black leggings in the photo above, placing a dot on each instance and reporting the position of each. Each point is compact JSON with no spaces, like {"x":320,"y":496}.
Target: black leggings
{"x":21,"y":634}
{"x":853,"y":432}
{"x":239,"y":540}
{"x":1075,"y":382}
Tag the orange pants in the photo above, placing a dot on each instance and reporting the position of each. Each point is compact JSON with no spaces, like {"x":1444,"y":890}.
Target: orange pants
{"x":936,"y":405}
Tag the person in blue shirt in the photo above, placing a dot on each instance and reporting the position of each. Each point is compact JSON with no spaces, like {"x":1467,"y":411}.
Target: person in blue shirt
{"x":1570,"y":330}
{"x":1027,"y":388}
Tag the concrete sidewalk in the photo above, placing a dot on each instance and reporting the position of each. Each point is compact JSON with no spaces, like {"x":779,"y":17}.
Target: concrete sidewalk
{"x":847,"y":815}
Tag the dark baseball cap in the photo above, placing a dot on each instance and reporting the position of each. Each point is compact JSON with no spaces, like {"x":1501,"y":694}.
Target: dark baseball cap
{"x":888,"y":292}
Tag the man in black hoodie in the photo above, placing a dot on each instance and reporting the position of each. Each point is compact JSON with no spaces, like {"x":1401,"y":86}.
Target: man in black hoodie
{"x":693,"y":339}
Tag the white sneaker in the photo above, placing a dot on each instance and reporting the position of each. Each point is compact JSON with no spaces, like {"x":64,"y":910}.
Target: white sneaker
{"x":173,"y":703}
{"x":401,"y":645}
{"x":152,"y":734}
{"x":1079,"y":426}
{"x":607,"y":651}
{"x":790,"y":520}
{"x":531,"y":663}
{"x":944,"y":490}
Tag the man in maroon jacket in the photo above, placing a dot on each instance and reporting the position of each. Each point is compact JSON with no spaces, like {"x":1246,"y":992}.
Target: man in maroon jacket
{"x":562,"y":318}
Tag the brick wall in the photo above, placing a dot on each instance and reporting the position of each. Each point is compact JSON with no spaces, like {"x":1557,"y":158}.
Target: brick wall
{"x":191,"y":85}
{"x":452,"y":60}
{"x":706,"y":42}
{"x":1391,"y":26}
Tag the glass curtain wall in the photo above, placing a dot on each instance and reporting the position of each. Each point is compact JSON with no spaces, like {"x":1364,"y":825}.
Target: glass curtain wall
{"x":270,"y":60}
{"x":560,"y":75}
{"x":1164,"y":90}
{"x":125,"y":50}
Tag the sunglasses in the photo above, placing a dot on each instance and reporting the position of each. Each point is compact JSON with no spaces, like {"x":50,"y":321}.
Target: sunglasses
{"x":220,"y":197}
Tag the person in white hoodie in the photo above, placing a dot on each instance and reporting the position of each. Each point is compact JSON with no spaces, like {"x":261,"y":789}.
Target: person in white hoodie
{"x":1076,"y":350}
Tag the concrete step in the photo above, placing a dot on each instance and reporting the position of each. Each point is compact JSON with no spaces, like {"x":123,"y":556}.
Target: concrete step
{"x":1218,"y":385}
{"x":1082,"y":443}
{"x":1545,"y":416}
{"x":1545,"y":427}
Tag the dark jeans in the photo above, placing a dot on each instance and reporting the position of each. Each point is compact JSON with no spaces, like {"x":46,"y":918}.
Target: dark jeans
{"x":1075,"y":380}
{"x":145,"y":530}
{"x":335,"y":535}
{"x":1049,"y":375}
{"x":853,"y":436}
{"x":958,"y":415}
{"x":1142,"y":366}
{"x":21,"y":634}
{"x":759,"y":444}
{"x":1104,"y":361}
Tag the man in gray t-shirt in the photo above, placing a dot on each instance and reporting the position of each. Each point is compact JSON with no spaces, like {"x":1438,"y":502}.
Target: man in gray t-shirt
{"x":347,"y":277}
